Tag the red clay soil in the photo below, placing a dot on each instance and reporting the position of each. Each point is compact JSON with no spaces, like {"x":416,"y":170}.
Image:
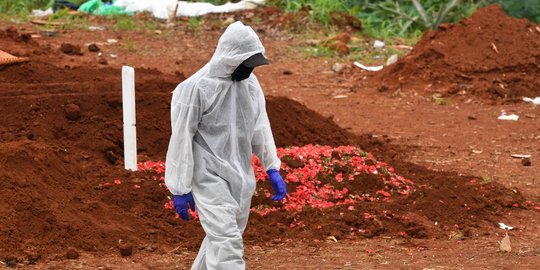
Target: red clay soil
{"x":61,"y":150}
{"x":489,"y":54}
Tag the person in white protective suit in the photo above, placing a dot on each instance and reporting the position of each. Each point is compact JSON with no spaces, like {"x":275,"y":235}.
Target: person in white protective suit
{"x":219,"y":120}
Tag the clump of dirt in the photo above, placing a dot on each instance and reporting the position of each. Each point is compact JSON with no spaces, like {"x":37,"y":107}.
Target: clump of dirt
{"x":489,"y":54}
{"x":19,"y":44}
{"x":13,"y":33}
{"x":72,"y":49}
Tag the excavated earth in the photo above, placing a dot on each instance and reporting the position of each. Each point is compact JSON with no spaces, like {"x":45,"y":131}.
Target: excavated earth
{"x":61,"y":141}
{"x":490,"y":55}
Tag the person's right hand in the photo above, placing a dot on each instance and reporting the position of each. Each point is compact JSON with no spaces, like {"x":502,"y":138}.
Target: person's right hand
{"x":181,"y":204}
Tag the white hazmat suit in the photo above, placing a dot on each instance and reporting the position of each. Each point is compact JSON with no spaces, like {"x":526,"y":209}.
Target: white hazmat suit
{"x":217,"y":124}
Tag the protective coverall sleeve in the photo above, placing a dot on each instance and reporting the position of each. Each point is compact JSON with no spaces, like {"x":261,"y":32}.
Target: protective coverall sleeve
{"x":185,"y":117}
{"x":262,"y":143}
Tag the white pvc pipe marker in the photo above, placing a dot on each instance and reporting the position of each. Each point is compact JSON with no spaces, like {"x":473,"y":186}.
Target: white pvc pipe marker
{"x":130,"y":128}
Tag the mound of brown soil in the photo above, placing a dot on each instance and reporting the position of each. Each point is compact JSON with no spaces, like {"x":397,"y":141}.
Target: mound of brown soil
{"x":489,"y":54}
{"x":53,"y":194}
{"x":294,"y":124}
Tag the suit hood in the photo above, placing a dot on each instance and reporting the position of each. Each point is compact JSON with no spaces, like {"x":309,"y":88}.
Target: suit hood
{"x":236,"y":44}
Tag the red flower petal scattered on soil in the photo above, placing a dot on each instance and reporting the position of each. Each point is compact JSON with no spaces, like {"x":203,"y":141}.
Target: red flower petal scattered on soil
{"x":317,"y":179}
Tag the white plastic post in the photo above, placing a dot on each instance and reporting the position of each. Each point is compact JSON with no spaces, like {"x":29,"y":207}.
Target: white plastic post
{"x":128,"y":107}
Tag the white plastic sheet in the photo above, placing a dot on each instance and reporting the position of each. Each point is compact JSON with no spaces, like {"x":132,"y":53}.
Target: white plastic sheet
{"x":510,"y":117}
{"x":164,"y":9}
{"x":42,"y":13}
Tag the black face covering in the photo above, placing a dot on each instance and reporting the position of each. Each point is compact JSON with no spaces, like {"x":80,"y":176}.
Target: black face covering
{"x":241,"y":73}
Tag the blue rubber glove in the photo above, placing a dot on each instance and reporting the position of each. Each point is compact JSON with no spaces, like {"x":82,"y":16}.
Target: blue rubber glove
{"x":279,"y":186}
{"x":181,"y":204}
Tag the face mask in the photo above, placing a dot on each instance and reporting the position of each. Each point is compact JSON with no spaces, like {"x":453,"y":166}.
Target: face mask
{"x":241,"y":73}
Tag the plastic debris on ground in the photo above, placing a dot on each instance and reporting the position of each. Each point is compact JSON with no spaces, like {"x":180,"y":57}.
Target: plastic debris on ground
{"x":338,"y":67}
{"x":535,"y":101}
{"x":61,"y":4}
{"x":96,"y":28}
{"x":505,"y":227}
{"x":42,"y":13}
{"x":378,"y":44}
{"x":96,"y":7}
{"x":510,"y":117}
{"x":372,"y":68}
{"x":392,"y":59}
{"x":521,"y":156}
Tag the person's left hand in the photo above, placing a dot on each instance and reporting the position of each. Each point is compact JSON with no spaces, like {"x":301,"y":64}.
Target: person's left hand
{"x":279,"y":186}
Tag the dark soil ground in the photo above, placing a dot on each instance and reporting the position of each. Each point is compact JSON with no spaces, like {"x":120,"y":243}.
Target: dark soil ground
{"x":61,"y":142}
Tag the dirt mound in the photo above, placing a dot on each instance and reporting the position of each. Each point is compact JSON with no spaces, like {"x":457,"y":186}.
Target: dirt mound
{"x":371,"y":203}
{"x":52,"y":200}
{"x":294,"y":124}
{"x":62,"y":183}
{"x":489,"y":54}
{"x":54,"y":191}
{"x":20,"y":44}
{"x":59,"y":170}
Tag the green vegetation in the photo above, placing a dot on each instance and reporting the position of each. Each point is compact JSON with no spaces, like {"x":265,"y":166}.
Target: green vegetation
{"x":386,"y":18}
{"x":67,"y":20}
{"x":319,"y":51}
{"x":411,"y":18}
{"x":195,"y":23}
{"x":319,"y":10}
{"x":405,"y":18}
{"x":529,"y":9}
{"x":129,"y":45}
{"x":380,"y":18}
{"x":22,"y":7}
{"x":124,"y":22}
{"x":391,"y":18}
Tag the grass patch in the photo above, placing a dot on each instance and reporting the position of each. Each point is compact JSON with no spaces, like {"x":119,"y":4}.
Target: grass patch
{"x":390,"y":18}
{"x":319,"y":51}
{"x":22,"y":7}
{"x":129,"y":45}
{"x":67,"y":21}
{"x":124,"y":23}
{"x":361,"y":46}
{"x":319,"y":10}
{"x":195,"y":23}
